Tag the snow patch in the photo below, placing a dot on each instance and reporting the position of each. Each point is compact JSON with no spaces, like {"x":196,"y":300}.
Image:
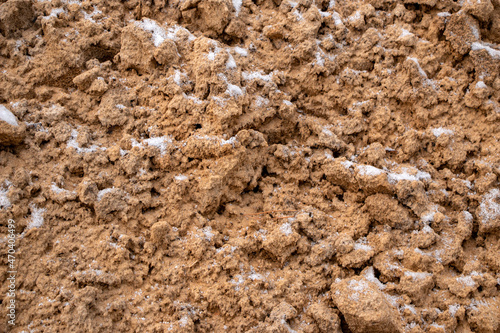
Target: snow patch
{"x":221,"y":141}
{"x":362,"y":244}
{"x":467,"y":216}
{"x":427,"y":230}
{"x":481,"y":85}
{"x":195,"y":99}
{"x":368,"y":170}
{"x":7,"y":116}
{"x":207,"y":231}
{"x":440,"y":131}
{"x":358,"y":287}
{"x":211,"y":55}
{"x":347,"y":164}
{"x":237,"y":6}
{"x":232,"y":89}
{"x":4,"y":200}
{"x":74,"y":144}
{"x":90,"y":16}
{"x":183,"y":321}
{"x":158,"y":33}
{"x":230,"y":63}
{"x":175,"y":29}
{"x":417,"y":275}
{"x":453,"y":309}
{"x":36,"y":217}
{"x":102,"y":193}
{"x":429,"y":215}
{"x":177,"y":77}
{"x":161,"y":142}
{"x":490,"y":206}
{"x":181,"y":178}
{"x":406,"y":175}
{"x":54,"y":13}
{"x":369,"y":274}
{"x":326,"y":131}
{"x":56,"y":189}
{"x":261,"y":101}
{"x":336,"y":18}
{"x":355,"y":17}
{"x":241,"y":51}
{"x":495,"y":54}
{"x":286,"y":229}
{"x":466,"y":281}
{"x":427,"y":81}
{"x":248,"y":76}
{"x":405,"y":33}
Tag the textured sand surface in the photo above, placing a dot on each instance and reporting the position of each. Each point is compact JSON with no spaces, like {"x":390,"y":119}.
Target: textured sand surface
{"x":266,"y":166}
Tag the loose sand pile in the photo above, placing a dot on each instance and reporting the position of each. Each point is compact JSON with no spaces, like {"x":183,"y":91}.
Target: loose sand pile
{"x":266,"y":166}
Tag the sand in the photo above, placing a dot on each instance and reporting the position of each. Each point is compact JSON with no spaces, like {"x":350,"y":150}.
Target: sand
{"x":267,"y":166}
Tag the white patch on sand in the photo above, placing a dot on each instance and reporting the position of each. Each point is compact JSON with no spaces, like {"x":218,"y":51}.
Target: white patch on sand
{"x":248,"y":76}
{"x":368,"y":170}
{"x":369,"y":274}
{"x":7,"y":116}
{"x":408,"y":174}
{"x":101,"y":193}
{"x":417,"y":275}
{"x":237,"y":6}
{"x":161,"y":143}
{"x":4,"y":199}
{"x":490,"y":208}
{"x":286,"y":229}
{"x":440,"y":131}
{"x":74,"y":144}
{"x":36,"y":220}
{"x":158,"y":33}
{"x":494,"y":53}
{"x":181,"y":178}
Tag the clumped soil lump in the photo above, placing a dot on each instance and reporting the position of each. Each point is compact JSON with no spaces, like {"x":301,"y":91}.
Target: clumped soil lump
{"x":251,"y":166}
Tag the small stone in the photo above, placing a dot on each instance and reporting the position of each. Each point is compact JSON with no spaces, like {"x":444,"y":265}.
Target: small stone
{"x":386,"y":210}
{"x":84,"y":80}
{"x":489,"y":212}
{"x":136,"y":49}
{"x":324,"y":316}
{"x":159,"y":232}
{"x":365,"y":308}
{"x":283,"y":311}
{"x":109,"y":201}
{"x":236,"y":28}
{"x":282,"y":242}
{"x":167,"y":53}
{"x":15,"y":15}
{"x":98,"y":87}
{"x":461,"y":31}
{"x":482,"y":9}
{"x":87,"y":191}
{"x":484,"y":316}
{"x":10,"y":131}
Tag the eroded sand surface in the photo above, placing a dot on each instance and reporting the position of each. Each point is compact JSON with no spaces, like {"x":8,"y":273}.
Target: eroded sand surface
{"x":139,"y":137}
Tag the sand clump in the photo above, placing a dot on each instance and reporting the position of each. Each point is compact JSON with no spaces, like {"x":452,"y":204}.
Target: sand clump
{"x":140,"y":140}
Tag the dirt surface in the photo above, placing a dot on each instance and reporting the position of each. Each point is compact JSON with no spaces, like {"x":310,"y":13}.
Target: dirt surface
{"x":267,"y":166}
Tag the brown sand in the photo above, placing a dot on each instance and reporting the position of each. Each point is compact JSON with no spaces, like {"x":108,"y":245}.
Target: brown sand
{"x":151,"y":133}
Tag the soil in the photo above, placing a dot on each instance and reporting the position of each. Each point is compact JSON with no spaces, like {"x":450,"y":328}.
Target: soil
{"x":251,"y":166}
